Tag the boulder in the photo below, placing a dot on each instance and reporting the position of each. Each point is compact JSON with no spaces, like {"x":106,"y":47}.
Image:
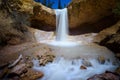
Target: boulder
{"x":110,"y":38}
{"x":83,"y":12}
{"x":105,"y":76}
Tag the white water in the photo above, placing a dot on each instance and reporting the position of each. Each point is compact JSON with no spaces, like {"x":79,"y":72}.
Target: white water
{"x":68,"y":66}
{"x":61,"y":24}
{"x":62,"y":69}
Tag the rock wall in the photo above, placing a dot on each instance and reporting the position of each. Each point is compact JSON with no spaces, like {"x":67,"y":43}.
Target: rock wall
{"x":84,"y":16}
{"x":89,"y":11}
{"x":13,"y":23}
{"x":110,"y":38}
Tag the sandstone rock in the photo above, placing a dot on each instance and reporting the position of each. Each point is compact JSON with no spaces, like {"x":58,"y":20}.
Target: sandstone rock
{"x":86,"y":63}
{"x":83,"y":67}
{"x":105,"y":76}
{"x":14,"y":41}
{"x":40,"y":16}
{"x":19,"y":69}
{"x":110,"y":38}
{"x":101,"y":59}
{"x":81,"y":13}
{"x":43,"y":18}
{"x":32,"y":75}
{"x":13,"y":22}
{"x":89,"y":11}
{"x":107,"y":32}
{"x":45,"y":58}
{"x":29,"y":64}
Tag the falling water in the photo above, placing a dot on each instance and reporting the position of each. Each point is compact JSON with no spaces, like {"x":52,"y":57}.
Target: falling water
{"x":61,"y":24}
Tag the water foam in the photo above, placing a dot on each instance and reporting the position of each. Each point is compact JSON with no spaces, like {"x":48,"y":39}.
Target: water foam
{"x":63,"y":69}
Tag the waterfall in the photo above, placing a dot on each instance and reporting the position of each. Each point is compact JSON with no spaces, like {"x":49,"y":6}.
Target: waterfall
{"x":71,"y":55}
{"x":61,"y":24}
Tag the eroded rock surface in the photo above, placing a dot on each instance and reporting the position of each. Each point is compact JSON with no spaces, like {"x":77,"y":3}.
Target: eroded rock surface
{"x":110,"y":38}
{"x":84,"y":16}
{"x":89,"y":11}
{"x":105,"y":76}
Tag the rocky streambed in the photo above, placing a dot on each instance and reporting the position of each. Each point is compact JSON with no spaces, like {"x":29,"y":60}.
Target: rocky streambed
{"x":16,"y":67}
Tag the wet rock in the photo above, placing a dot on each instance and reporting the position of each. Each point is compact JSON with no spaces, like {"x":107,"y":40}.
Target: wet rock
{"x":101,"y":59}
{"x":86,"y":63}
{"x":20,"y":69}
{"x":110,"y":38}
{"x":32,"y":75}
{"x":45,"y":58}
{"x":29,"y":64}
{"x":83,"y":67}
{"x":105,"y":76}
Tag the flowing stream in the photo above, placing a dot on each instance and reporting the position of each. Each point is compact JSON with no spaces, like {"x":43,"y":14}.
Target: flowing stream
{"x":70,"y":56}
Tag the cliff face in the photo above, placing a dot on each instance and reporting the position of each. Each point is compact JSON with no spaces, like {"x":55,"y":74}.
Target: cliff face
{"x":13,"y":23}
{"x":81,"y":12}
{"x":110,"y":38}
{"x":89,"y":11}
{"x":84,"y":16}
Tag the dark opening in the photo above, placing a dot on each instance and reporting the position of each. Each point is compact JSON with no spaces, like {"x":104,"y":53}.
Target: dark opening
{"x":55,"y":4}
